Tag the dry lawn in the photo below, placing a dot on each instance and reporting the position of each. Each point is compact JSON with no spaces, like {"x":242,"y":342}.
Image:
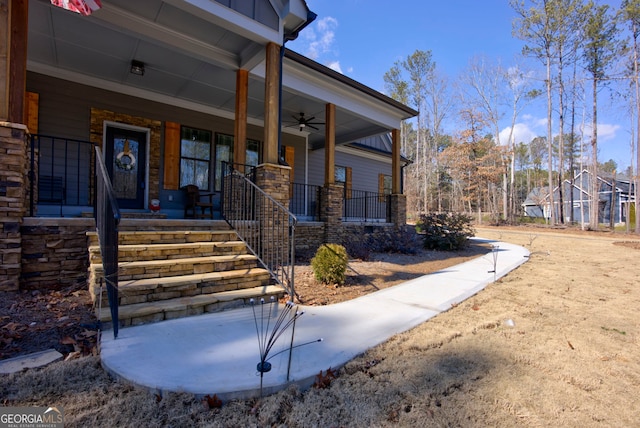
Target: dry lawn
{"x":570,"y":358}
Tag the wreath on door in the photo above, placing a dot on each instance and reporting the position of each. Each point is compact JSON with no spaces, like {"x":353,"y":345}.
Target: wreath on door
{"x":125,"y":160}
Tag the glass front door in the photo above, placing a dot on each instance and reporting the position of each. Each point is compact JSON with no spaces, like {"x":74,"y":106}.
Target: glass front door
{"x":125,"y":156}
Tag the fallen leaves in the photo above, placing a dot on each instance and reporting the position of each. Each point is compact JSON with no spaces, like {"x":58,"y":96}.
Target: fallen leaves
{"x":212,"y":402}
{"x":324,"y":380}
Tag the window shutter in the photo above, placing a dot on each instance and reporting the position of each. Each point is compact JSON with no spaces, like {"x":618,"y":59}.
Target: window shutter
{"x":31,"y":105}
{"x":347,"y":184}
{"x":289,"y":158}
{"x":171,"y":155}
{"x":381,"y":187}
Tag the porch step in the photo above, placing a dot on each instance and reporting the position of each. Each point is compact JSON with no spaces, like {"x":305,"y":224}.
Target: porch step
{"x":165,"y":274}
{"x":155,"y":289}
{"x":143,"y":269}
{"x":168,"y":237}
{"x":143,"y":313}
{"x":128,"y":253}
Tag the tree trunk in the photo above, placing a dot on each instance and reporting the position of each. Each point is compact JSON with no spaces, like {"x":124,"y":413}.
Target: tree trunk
{"x":595,"y":199}
{"x":550,"y":142}
{"x":637,"y":87}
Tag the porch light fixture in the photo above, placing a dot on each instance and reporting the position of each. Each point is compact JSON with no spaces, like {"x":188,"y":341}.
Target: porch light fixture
{"x":137,"y":67}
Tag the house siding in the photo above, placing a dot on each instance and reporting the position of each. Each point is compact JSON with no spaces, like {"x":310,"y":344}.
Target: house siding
{"x":365,"y":171}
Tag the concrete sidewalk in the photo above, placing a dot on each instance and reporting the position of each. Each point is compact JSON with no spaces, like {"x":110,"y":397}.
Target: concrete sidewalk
{"x":218,"y":353}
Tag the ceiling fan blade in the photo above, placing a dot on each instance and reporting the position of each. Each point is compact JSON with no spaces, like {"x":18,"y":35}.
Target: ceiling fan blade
{"x":309,"y":120}
{"x":311,"y":126}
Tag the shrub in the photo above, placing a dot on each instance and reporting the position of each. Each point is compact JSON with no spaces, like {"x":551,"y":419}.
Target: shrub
{"x":402,"y":240}
{"x":448,"y":232}
{"x":330,"y":264}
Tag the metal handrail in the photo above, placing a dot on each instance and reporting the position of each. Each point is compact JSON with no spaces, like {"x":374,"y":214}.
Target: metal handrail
{"x":263,"y":224}
{"x":107,"y":216}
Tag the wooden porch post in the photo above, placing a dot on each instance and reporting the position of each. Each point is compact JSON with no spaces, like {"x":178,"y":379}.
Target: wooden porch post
{"x":330,"y":144}
{"x":395,"y":162}
{"x":271,"y":104}
{"x":242,"y":94}
{"x":397,"y":213}
{"x":14,"y":22}
{"x":332,"y":193}
{"x":14,"y":137}
{"x":5,"y":42}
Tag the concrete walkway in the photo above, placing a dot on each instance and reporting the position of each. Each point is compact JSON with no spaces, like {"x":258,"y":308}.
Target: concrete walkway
{"x":218,"y":353}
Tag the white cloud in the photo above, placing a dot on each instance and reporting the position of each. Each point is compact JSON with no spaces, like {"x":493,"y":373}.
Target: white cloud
{"x":318,"y":42}
{"x":522,"y":133}
{"x":606,"y":131}
{"x":321,"y":37}
{"x":335,"y":65}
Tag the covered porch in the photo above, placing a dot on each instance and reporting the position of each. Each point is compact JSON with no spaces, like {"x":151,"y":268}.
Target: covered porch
{"x":170,"y":91}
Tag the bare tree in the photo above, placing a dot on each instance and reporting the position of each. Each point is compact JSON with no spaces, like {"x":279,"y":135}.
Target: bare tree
{"x":600,"y":49}
{"x":630,"y":11}
{"x":537,"y":26}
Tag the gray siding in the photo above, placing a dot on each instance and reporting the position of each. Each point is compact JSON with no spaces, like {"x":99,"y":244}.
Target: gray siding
{"x":364,"y":170}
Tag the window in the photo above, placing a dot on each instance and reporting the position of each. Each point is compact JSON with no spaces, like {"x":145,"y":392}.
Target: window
{"x":195,"y":157}
{"x":342,"y":175}
{"x":224,"y":153}
{"x":253,"y":152}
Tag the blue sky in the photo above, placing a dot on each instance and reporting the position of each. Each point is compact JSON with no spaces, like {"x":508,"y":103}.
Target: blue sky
{"x":364,"y":38}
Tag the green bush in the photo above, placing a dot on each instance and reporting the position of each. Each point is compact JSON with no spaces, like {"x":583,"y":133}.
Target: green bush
{"x":448,"y":232}
{"x":330,"y":264}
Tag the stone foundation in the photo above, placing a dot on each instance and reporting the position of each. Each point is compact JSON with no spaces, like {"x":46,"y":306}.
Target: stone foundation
{"x":54,"y":252}
{"x":398,"y":209}
{"x":13,"y":185}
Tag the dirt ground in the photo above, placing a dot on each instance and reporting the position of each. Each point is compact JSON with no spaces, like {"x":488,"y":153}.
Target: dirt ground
{"x":554,"y":343}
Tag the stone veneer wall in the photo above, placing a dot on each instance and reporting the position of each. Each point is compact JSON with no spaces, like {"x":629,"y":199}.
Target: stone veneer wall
{"x":13,"y":185}
{"x":398,"y":209}
{"x":98,"y":117}
{"x":332,"y":212}
{"x":274,"y":181}
{"x":54,"y":252}
{"x":310,"y":235}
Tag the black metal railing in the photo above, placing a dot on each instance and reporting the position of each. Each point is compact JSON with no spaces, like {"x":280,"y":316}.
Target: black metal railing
{"x":359,"y":205}
{"x":305,"y":201}
{"x":61,"y":172}
{"x":263,"y":224}
{"x":107,"y":215}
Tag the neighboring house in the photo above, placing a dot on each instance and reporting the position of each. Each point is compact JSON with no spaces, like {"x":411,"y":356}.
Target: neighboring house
{"x":170,"y":90}
{"x":577,"y":201}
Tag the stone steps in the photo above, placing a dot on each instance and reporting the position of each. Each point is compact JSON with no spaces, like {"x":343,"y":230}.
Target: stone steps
{"x":166,"y":274}
{"x":129,"y":253}
{"x":154,"y":289}
{"x":143,"y":313}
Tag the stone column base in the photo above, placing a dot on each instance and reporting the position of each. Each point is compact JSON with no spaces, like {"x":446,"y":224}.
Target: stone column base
{"x":398,"y":210}
{"x":331,"y":213}
{"x":13,"y":184}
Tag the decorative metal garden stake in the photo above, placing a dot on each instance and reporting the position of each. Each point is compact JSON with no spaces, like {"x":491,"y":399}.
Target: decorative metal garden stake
{"x":494,"y":252}
{"x":267,"y":337}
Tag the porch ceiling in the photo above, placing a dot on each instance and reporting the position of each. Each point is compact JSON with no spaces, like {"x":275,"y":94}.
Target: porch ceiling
{"x":190,"y":59}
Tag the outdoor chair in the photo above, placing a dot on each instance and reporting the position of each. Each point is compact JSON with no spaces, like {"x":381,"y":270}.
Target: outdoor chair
{"x":197,"y":204}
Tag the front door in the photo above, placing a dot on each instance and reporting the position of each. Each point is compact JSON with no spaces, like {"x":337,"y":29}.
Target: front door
{"x":125,"y":156}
